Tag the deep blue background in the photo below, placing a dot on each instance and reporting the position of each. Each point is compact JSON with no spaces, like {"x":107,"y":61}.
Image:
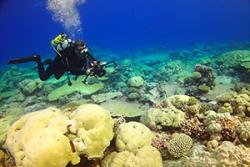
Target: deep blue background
{"x":124,"y":25}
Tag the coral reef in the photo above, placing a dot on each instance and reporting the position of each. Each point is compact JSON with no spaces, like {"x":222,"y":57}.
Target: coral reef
{"x":171,"y":71}
{"x":237,"y":57}
{"x":227,"y":154}
{"x":201,"y":81}
{"x":238,"y":64}
{"x":234,"y":103}
{"x":195,"y":129}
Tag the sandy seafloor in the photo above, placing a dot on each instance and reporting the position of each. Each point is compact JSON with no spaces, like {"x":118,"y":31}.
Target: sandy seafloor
{"x":192,"y":108}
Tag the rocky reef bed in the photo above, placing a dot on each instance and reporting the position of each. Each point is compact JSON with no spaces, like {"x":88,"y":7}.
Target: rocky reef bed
{"x":163,"y":108}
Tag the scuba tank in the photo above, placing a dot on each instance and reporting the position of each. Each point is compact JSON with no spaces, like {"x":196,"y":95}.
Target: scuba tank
{"x":60,"y":42}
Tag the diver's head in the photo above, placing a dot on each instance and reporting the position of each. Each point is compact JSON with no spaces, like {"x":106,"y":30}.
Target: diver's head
{"x":80,"y":45}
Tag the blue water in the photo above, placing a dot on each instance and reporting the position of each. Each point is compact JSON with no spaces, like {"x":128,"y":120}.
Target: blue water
{"x":124,"y":26}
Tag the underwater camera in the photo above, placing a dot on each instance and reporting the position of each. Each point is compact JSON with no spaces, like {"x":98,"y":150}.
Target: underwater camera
{"x":98,"y":69}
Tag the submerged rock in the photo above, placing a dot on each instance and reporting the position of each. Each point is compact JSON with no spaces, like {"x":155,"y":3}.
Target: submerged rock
{"x":29,"y":86}
{"x":136,"y":82}
{"x":10,"y":115}
{"x":77,"y":86}
{"x":100,"y":98}
{"x":123,"y":108}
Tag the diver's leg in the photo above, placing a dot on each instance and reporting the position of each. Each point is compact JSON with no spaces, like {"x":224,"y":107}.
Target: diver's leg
{"x":34,"y":57}
{"x":45,"y":74}
{"x":54,"y":67}
{"x":59,"y":68}
{"x":59,"y":71}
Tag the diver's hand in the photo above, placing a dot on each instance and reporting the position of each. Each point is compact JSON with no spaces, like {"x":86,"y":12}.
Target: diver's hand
{"x":89,"y":71}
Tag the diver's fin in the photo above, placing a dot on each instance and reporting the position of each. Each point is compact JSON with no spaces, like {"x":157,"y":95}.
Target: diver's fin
{"x":25,"y":59}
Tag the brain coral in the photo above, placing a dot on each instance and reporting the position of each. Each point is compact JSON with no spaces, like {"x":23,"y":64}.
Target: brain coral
{"x":179,"y":145}
{"x":132,"y":136}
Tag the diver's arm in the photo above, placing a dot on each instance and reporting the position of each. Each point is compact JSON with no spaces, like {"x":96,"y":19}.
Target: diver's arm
{"x":90,"y":56}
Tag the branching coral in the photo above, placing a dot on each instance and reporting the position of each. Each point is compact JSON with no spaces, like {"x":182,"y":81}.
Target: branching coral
{"x":160,"y":141}
{"x":195,"y":128}
{"x":229,"y":126}
{"x":244,"y":132}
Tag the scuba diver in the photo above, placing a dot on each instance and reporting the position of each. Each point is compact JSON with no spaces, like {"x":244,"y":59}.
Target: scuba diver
{"x":73,"y":57}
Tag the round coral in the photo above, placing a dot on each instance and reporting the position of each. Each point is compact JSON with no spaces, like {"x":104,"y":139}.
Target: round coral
{"x":136,"y":82}
{"x":158,"y":118}
{"x":146,"y":156}
{"x":179,"y":145}
{"x":38,"y":139}
{"x":132,"y":136}
{"x":93,"y":127}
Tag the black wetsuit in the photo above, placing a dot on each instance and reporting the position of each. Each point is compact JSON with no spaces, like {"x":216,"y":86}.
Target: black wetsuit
{"x":71,"y":61}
